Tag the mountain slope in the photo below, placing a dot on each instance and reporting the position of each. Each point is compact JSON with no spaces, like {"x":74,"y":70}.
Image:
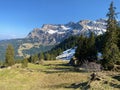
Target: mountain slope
{"x":44,"y":38}
{"x":51,"y":34}
{"x":68,"y":43}
{"x":22,"y":47}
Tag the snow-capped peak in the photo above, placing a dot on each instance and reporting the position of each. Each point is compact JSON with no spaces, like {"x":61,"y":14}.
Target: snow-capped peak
{"x":56,"y":33}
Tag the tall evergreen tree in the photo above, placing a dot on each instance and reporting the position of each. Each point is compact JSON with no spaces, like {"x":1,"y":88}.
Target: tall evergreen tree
{"x":9,"y":57}
{"x":92,"y":50}
{"x":111,"y":52}
{"x":86,"y":50}
{"x":79,"y":53}
{"x":118,"y":29}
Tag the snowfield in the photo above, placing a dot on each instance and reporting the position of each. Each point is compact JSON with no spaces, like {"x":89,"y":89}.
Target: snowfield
{"x":67,"y":55}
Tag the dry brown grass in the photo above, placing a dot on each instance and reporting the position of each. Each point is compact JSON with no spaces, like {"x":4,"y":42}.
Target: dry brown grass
{"x":54,"y":75}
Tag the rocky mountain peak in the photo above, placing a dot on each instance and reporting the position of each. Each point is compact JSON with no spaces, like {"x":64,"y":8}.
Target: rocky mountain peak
{"x":49,"y":26}
{"x":55,"y":33}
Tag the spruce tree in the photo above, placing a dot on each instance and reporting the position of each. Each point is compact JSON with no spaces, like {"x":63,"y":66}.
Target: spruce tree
{"x":118,"y":29}
{"x":92,"y":51}
{"x":24,"y":63}
{"x":47,"y":56}
{"x":9,"y":57}
{"x":41,"y":56}
{"x":80,"y":49}
{"x":111,"y":52}
{"x":34,"y":58}
{"x":86,"y":50}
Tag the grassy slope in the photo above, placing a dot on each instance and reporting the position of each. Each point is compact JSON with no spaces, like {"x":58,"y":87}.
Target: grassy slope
{"x":54,"y":75}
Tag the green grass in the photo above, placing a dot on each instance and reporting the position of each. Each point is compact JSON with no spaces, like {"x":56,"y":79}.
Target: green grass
{"x":55,"y":75}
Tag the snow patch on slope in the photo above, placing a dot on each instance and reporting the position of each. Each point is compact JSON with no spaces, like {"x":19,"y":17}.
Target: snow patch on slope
{"x":61,"y":30}
{"x":65,"y":28}
{"x":51,"y":31}
{"x":67,"y":55}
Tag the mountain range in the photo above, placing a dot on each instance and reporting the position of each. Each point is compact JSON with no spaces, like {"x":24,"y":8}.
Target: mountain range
{"x":49,"y":35}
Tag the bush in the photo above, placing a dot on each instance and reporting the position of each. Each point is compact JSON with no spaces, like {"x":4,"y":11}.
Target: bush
{"x":92,"y":67}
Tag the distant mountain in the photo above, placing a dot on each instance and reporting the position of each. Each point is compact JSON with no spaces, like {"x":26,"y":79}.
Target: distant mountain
{"x":51,"y":34}
{"x":44,"y":38}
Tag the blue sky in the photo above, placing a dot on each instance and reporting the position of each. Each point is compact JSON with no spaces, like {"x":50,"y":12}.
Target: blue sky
{"x":19,"y":17}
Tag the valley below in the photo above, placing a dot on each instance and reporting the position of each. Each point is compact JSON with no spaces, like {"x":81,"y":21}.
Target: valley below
{"x":55,"y":75}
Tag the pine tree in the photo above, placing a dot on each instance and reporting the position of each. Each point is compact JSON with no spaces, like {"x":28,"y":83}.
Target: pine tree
{"x":9,"y":58}
{"x":80,"y":48}
{"x":47,"y":56}
{"x":118,"y":29}
{"x":86,"y":50}
{"x":34,"y":58}
{"x":41,"y":56}
{"x":92,"y":51}
{"x":24,"y":63}
{"x":99,"y":42}
{"x":111,"y":52}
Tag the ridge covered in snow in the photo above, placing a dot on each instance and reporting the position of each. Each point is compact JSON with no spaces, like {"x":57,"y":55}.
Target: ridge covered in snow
{"x":55,"y":33}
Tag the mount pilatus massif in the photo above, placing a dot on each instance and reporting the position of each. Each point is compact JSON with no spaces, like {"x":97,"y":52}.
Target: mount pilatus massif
{"x":50,"y":34}
{"x":44,"y":38}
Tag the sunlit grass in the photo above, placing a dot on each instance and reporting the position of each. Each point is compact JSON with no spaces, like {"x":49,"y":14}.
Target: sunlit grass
{"x":54,"y":75}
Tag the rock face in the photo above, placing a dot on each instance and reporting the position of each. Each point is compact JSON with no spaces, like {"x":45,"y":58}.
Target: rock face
{"x":50,"y":34}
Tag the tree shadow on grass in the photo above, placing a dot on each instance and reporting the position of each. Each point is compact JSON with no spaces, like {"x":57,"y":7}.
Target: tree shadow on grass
{"x":52,"y":71}
{"x":117,"y":77}
{"x":58,"y":68}
{"x":62,"y":70}
{"x":82,"y":86}
{"x":56,"y":65}
{"x":62,"y":64}
{"x":115,"y":85}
